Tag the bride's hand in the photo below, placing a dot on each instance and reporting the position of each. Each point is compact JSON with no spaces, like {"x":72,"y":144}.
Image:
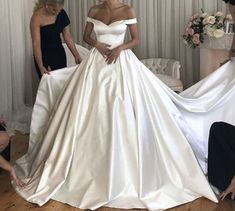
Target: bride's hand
{"x":113,"y":55}
{"x":103,"y":49}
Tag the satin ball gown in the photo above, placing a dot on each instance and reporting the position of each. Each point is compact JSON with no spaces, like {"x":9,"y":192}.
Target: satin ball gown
{"x":116,"y":136}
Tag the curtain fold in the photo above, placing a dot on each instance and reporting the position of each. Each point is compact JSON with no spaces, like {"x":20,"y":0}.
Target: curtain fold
{"x":161,"y":25}
{"x":16,"y":81}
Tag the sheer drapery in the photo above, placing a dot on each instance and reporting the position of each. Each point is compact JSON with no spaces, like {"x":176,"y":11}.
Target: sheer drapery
{"x":161,"y":25}
{"x":16,"y":77}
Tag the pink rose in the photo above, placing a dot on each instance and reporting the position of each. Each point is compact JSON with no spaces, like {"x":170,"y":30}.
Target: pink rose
{"x":190,"y":31}
{"x":196,"y":39}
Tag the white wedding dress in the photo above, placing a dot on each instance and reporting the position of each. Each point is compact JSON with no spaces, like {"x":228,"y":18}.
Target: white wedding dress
{"x":116,"y":136}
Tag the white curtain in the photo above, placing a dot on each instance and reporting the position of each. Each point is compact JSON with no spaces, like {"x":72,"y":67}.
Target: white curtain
{"x":16,"y":76}
{"x":161,"y":25}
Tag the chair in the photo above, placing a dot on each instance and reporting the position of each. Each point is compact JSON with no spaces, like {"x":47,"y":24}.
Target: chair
{"x":167,"y":70}
{"x":69,"y":56}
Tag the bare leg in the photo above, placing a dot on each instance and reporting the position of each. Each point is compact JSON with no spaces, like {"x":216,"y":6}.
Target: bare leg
{"x":229,"y":189}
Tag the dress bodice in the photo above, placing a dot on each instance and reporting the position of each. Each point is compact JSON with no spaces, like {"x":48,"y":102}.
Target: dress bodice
{"x":113,"y":33}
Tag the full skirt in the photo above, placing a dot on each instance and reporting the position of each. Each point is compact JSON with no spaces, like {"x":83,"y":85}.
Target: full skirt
{"x":115,"y":135}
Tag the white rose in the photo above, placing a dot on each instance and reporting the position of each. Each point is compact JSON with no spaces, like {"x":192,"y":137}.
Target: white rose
{"x":211,"y":19}
{"x":185,"y":42}
{"x":218,"y":33}
{"x":205,"y":21}
{"x":209,"y":30}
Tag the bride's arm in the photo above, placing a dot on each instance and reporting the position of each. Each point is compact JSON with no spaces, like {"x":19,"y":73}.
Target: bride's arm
{"x":114,"y":54}
{"x":133,"y":31}
{"x":101,"y":47}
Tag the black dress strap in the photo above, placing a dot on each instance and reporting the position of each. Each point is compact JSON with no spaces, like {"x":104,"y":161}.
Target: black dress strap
{"x":62,"y":21}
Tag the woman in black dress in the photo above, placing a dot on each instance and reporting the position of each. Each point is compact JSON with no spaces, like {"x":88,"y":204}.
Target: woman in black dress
{"x":48,"y":22}
{"x":221,"y":158}
{"x":232,"y":11}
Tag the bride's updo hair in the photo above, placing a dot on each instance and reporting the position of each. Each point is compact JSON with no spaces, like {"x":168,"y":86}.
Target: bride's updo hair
{"x":41,"y":3}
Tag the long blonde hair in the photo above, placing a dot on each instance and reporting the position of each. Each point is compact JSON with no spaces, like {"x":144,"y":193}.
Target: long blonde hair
{"x":40,"y":3}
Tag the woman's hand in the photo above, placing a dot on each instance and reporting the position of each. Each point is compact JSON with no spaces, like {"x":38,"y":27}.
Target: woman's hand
{"x":103,"y":49}
{"x":113,"y":55}
{"x":15,"y":179}
{"x":78,"y":59}
{"x":43,"y":70}
{"x":229,"y":189}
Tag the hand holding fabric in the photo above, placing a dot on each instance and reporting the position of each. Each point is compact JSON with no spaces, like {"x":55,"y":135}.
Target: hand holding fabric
{"x":229,"y":189}
{"x":43,"y":70}
{"x":78,"y":59}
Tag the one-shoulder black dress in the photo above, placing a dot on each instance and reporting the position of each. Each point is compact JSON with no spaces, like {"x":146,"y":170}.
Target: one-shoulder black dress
{"x":230,"y":1}
{"x":53,"y":53}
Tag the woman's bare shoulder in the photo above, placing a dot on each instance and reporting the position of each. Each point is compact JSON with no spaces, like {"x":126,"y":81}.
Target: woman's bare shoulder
{"x":94,"y":10}
{"x":37,"y":16}
{"x":129,"y":11}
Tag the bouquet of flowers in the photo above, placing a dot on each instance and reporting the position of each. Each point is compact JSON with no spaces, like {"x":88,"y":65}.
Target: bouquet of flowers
{"x":204,"y":24}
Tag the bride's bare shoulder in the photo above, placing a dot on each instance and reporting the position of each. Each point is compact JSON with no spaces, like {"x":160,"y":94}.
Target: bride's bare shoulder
{"x":94,"y":10}
{"x":129,"y":11}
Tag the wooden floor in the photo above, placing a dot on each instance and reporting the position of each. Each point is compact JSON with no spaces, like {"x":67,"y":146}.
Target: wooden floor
{"x":10,"y":201}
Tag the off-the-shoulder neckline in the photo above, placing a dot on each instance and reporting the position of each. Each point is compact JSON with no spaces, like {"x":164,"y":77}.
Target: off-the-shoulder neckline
{"x":113,"y":21}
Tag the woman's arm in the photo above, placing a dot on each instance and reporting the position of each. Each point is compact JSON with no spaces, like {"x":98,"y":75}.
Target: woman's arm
{"x":36,"y":42}
{"x":4,"y":164}
{"x":71,"y":45}
{"x":101,"y":47}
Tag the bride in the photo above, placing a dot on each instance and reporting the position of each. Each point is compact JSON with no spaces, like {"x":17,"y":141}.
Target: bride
{"x":109,"y":133}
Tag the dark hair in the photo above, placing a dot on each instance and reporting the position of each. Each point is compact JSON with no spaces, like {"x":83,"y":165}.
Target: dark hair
{"x":226,"y":1}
